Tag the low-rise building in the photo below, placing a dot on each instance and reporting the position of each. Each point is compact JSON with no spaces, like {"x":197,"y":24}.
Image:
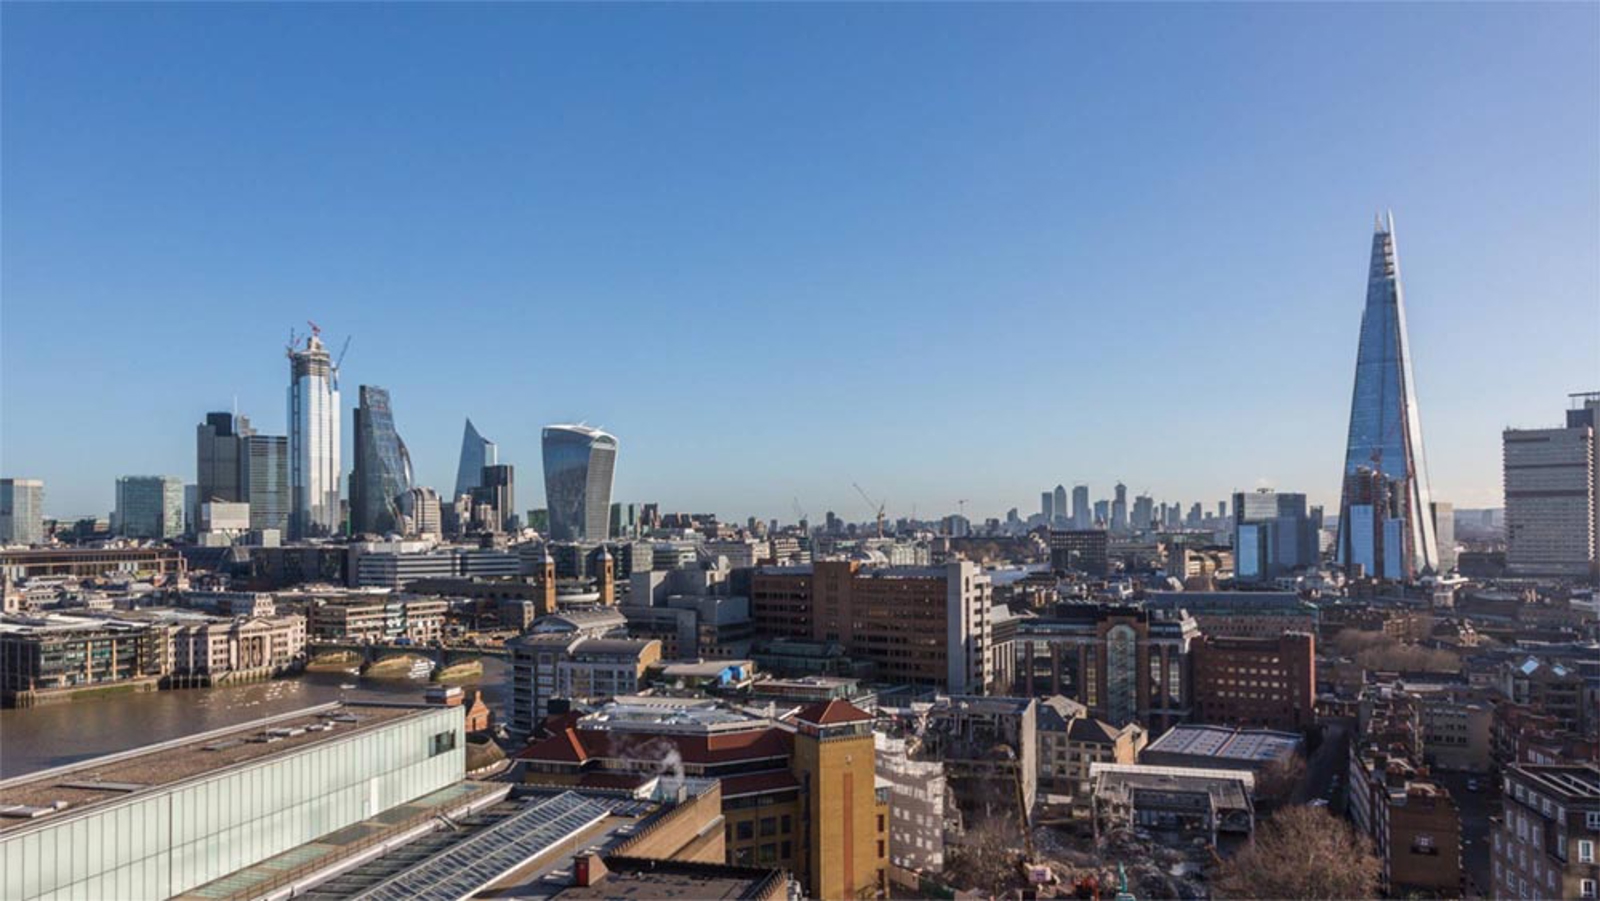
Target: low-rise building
{"x":375,"y":617}
{"x":1241,"y":614}
{"x":1193,"y":803}
{"x":547,"y":667}
{"x":1070,"y":742}
{"x":56,"y":655}
{"x":1222,"y":748}
{"x":1412,"y":821}
{"x":1544,"y":845}
{"x":1267,"y":682}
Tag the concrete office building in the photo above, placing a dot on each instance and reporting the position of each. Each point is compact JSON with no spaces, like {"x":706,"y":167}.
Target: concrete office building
{"x":551,"y":666}
{"x":1081,"y":551}
{"x":314,"y":463}
{"x":1241,"y":614}
{"x":578,"y":465}
{"x":420,"y":513}
{"x":165,"y":819}
{"x":1552,"y":497}
{"x":498,"y":492}
{"x":932,"y":626}
{"x":53,"y":654}
{"x":21,"y":511}
{"x":149,"y":507}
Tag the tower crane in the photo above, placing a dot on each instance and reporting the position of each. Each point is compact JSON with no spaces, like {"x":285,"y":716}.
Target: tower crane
{"x":876,"y":507}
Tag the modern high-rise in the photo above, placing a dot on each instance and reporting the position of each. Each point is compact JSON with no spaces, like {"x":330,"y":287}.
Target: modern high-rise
{"x":219,"y":442}
{"x":264,"y":473}
{"x":578,"y":466}
{"x":314,"y":465}
{"x":1144,"y":512}
{"x":1082,"y":516}
{"x":1551,"y":496}
{"x":1273,"y":534}
{"x":149,"y":507}
{"x":383,"y":466}
{"x":1119,"y":509}
{"x":21,"y":511}
{"x":1444,"y":533}
{"x":497,"y":489}
{"x":1047,"y":507}
{"x":476,"y":453}
{"x":1062,"y":510}
{"x":1385,"y":509}
{"x":420,"y":512}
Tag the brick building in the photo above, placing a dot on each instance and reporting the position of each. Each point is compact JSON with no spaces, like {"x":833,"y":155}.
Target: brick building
{"x":1267,"y":682}
{"x":1545,"y":844}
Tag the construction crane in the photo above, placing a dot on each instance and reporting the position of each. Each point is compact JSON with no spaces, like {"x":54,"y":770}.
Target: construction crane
{"x":876,"y":507}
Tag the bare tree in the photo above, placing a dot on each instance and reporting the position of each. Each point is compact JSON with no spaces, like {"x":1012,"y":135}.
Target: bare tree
{"x":1278,"y":780}
{"x":1302,"y":852}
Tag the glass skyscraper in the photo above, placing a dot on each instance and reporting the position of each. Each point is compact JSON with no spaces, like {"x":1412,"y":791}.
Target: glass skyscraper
{"x":314,"y":466}
{"x":578,"y":465}
{"x":1385,"y":508}
{"x":264,"y":471}
{"x":383,"y":466}
{"x":21,"y":511}
{"x":476,"y":453}
{"x":149,"y":507}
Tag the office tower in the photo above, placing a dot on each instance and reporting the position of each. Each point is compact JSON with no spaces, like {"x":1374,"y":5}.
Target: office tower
{"x":1222,"y":509}
{"x":218,"y":463}
{"x":1273,"y":534}
{"x":21,"y":511}
{"x":1385,"y":518}
{"x":314,"y":465}
{"x":1062,"y":511}
{"x":497,"y":490}
{"x":1082,"y":518}
{"x":1119,"y":509}
{"x":476,"y":453}
{"x":149,"y":507}
{"x":264,"y":473}
{"x":420,"y":513}
{"x":578,"y":465}
{"x":1144,"y":511}
{"x":1444,"y":532}
{"x":1195,"y":515}
{"x":1551,"y":497}
{"x":382,"y":470}
{"x":1047,"y":507}
{"x":1102,"y":513}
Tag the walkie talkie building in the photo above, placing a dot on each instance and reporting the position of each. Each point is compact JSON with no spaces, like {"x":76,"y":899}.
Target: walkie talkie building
{"x":578,"y":465}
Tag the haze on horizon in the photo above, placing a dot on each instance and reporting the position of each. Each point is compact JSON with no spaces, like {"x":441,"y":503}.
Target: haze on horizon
{"x":947,"y":252}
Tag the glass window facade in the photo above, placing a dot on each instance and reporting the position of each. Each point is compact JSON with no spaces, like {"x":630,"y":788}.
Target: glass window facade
{"x":578,"y":466}
{"x":163,"y":842}
{"x":383,"y":466}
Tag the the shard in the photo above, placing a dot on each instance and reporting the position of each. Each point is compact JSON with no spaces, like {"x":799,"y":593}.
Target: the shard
{"x":1385,"y":509}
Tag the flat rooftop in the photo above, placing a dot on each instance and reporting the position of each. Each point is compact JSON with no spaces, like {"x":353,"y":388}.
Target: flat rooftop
{"x":116,"y":776}
{"x":651,"y":879}
{"x":1258,"y":745}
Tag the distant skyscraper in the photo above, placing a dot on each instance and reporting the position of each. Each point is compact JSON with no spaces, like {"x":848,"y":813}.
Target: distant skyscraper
{"x":149,"y":507}
{"x":1444,"y":532}
{"x":1119,"y":509}
{"x":1047,"y":506}
{"x":1144,"y":512}
{"x":1062,"y":510}
{"x":1102,"y":513}
{"x":578,"y":466}
{"x":1082,"y":516}
{"x":1551,"y":496}
{"x":314,"y":465}
{"x":476,"y":453}
{"x":382,"y":470}
{"x":1385,"y":509}
{"x":21,"y":511}
{"x":420,"y":512}
{"x":498,"y":490}
{"x":219,"y":444}
{"x":264,"y":472}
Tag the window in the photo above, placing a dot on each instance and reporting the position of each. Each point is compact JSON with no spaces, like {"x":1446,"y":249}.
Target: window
{"x":768,"y":854}
{"x":745,"y":829}
{"x":1592,"y":820}
{"x":1585,"y":851}
{"x":786,"y":850}
{"x":769,"y":826}
{"x":442,"y":742}
{"x":1586,"y":888}
{"x":880,"y":848}
{"x":1423,"y":844}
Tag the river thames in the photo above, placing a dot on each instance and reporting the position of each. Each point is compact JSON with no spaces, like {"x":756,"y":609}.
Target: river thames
{"x":56,"y":734}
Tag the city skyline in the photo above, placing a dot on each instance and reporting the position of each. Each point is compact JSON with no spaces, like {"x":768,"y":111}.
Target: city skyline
{"x":895,"y":305}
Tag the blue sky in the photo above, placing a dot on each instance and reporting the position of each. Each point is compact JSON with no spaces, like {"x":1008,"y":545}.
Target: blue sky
{"x":944,"y":251}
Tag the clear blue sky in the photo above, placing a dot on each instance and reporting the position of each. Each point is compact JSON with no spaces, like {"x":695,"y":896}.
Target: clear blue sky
{"x":945,"y":251}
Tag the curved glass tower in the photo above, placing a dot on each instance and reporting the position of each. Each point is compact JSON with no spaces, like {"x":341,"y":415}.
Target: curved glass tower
{"x":383,"y":466}
{"x":578,"y":465}
{"x":476,"y":453}
{"x":314,"y":466}
{"x":1385,"y":518}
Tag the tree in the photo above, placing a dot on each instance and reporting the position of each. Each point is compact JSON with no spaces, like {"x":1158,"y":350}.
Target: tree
{"x":986,"y":858}
{"x":1302,"y":852}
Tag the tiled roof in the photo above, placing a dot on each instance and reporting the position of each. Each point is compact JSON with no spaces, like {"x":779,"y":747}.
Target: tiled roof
{"x":828,"y":713}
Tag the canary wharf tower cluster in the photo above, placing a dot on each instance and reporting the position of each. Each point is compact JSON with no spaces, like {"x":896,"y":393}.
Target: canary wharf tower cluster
{"x":1386,"y":526}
